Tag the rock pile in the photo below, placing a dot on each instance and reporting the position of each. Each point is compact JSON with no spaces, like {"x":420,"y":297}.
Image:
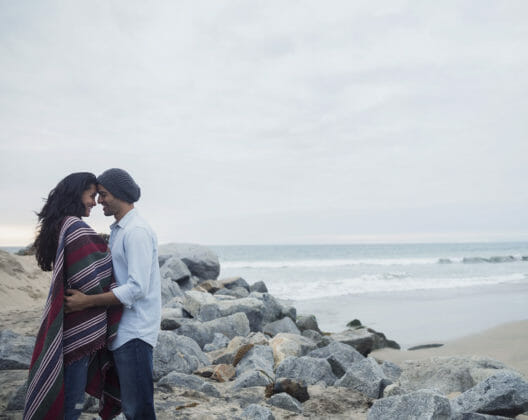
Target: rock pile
{"x":229,"y":349}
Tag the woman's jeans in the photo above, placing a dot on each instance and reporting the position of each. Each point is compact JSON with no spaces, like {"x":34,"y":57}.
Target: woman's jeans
{"x":133,"y":361}
{"x":75,"y":376}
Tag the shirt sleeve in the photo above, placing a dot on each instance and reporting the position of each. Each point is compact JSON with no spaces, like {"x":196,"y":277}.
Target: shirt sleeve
{"x":139,"y":249}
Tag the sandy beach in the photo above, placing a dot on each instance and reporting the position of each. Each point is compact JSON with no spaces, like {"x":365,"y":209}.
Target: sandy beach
{"x":506,"y":343}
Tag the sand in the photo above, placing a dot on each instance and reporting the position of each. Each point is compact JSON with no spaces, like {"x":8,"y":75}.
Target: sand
{"x":506,"y":343}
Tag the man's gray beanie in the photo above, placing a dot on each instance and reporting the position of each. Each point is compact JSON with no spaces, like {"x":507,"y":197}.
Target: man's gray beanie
{"x":120,"y":184}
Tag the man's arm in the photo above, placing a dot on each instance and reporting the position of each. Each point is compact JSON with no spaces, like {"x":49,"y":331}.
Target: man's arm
{"x":74,"y":300}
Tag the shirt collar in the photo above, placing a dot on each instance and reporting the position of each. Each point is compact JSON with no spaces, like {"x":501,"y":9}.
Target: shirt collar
{"x":124,"y":220}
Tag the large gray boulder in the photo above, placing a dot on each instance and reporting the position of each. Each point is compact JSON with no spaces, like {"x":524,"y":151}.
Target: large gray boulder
{"x":257,"y":358}
{"x":365,"y":376}
{"x":15,"y":350}
{"x":200,"y":260}
{"x":339,"y":355}
{"x":419,"y":405}
{"x":235,"y":282}
{"x":174,"y":276}
{"x":182,"y":380}
{"x":258,"y":286}
{"x":286,"y":402}
{"x":447,"y":374}
{"x":309,"y":369}
{"x":364,"y":340}
{"x":284,"y":325}
{"x":251,"y":378}
{"x":391,"y":370}
{"x":204,"y":332}
{"x":176,"y":353}
{"x":220,"y":341}
{"x":257,"y":412}
{"x":237,"y":292}
{"x":503,"y":394}
{"x":194,"y":300}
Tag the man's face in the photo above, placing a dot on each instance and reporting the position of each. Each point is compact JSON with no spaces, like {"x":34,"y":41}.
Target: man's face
{"x":111,"y":205}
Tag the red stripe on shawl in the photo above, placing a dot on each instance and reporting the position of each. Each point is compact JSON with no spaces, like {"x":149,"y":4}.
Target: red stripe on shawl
{"x":56,"y":410}
{"x":56,"y":308}
{"x":85,"y":250}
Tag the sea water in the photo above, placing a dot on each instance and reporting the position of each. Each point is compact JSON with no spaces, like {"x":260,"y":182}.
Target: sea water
{"x":418,"y":292}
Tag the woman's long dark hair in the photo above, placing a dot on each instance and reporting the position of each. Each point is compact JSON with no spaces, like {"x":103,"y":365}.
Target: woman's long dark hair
{"x":63,"y":200}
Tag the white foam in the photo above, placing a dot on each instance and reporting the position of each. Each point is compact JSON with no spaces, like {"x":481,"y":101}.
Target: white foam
{"x":304,"y":290}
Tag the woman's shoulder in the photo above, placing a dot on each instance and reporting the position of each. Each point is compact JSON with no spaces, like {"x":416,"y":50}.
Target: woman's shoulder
{"x":76,"y":223}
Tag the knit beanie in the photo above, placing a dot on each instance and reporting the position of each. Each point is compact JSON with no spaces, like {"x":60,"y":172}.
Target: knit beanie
{"x":120,"y":184}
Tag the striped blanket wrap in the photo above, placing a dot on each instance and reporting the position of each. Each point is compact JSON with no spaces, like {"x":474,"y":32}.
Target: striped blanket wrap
{"x":82,"y":262}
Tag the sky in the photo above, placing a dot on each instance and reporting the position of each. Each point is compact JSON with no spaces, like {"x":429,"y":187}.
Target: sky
{"x":272,"y":122}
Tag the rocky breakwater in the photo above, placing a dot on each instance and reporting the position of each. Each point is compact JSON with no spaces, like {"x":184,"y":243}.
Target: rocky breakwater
{"x":231,"y":350}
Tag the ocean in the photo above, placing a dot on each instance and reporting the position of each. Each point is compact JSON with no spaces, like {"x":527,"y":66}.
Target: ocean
{"x":414,"y":293}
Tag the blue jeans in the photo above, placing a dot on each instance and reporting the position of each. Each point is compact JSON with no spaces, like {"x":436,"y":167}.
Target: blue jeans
{"x":75,"y":377}
{"x":133,"y":361}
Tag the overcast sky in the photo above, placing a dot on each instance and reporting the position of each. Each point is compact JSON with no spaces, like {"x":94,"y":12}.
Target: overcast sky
{"x":273,"y":121}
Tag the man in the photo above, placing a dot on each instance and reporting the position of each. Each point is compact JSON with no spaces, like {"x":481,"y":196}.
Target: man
{"x":133,"y":245}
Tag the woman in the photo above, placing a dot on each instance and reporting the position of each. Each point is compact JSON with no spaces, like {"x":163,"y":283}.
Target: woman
{"x":70,"y":354}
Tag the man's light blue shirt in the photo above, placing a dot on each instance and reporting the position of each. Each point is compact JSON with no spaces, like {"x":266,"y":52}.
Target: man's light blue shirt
{"x":134,"y":250}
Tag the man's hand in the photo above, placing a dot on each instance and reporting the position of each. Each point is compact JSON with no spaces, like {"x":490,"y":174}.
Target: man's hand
{"x":74,"y":301}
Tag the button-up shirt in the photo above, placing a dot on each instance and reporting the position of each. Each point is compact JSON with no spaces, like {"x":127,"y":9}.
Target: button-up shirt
{"x":134,"y":250}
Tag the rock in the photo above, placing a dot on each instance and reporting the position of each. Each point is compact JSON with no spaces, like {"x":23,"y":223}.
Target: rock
{"x":17,"y":400}
{"x":234,"y":282}
{"x":183,"y":380}
{"x":364,"y":340}
{"x":392,"y":389}
{"x":424,"y":346}
{"x":296,"y":388}
{"x":237,"y":292}
{"x":194,"y":300}
{"x":174,"y":274}
{"x":245,"y":396}
{"x":223,"y":373}
{"x":284,"y":325}
{"x":307,"y":322}
{"x":203,"y":332}
{"x":220,"y":341}
{"x":15,"y":350}
{"x":319,"y":339}
{"x":476,"y":416}
{"x":176,"y":353}
{"x":257,"y":412}
{"x":234,"y":347}
{"x":211,"y":286}
{"x":172,"y":318}
{"x":425,"y":403}
{"x":201,"y":261}
{"x":365,"y":376}
{"x":355,"y":323}
{"x":305,"y":368}
{"x":391,"y":370}
{"x":257,"y":358}
{"x":258,"y":286}
{"x":285,"y":345}
{"x":272,"y":310}
{"x":286,"y":401}
{"x":447,"y":374}
{"x":251,"y":378}
{"x":290,"y":312}
{"x":339,"y":355}
{"x":503,"y":394}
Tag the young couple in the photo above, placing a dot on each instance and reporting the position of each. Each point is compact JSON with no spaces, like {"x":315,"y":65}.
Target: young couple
{"x":102,"y":315}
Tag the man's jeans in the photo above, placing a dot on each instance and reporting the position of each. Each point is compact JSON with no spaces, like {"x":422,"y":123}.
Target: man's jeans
{"x":75,"y":376}
{"x":133,"y":361}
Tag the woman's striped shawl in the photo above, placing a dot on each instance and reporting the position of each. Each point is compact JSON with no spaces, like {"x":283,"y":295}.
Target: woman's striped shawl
{"x":82,"y":262}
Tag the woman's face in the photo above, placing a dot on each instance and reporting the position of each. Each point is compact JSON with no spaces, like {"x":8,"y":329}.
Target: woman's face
{"x":88,"y":199}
